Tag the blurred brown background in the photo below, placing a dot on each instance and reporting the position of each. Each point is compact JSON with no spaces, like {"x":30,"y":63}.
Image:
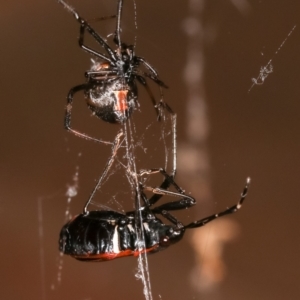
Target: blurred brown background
{"x":255,"y":134}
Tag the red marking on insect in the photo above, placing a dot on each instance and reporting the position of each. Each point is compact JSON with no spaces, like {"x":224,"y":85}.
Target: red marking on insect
{"x":112,"y":255}
{"x":121,"y":104}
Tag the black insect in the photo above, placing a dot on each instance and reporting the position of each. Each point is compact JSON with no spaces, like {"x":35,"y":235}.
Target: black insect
{"x":106,"y":235}
{"x":110,"y":88}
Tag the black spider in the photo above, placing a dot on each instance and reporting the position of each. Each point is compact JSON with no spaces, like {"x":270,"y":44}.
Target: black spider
{"x":110,"y":89}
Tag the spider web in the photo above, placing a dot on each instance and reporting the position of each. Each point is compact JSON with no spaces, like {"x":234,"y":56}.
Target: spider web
{"x":125,"y":167}
{"x":255,"y":134}
{"x":144,"y":140}
{"x":118,"y":190}
{"x":268,"y":68}
{"x":131,"y":156}
{"x":133,"y":143}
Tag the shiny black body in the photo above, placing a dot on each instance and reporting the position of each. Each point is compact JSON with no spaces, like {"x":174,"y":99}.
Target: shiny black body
{"x":106,"y":235}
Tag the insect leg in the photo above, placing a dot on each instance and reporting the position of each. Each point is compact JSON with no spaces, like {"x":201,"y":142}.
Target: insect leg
{"x":160,"y":191}
{"x":228,"y":211}
{"x":115,"y":147}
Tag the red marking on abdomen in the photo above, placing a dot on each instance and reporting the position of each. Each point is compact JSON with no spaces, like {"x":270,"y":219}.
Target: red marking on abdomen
{"x":121,"y":97}
{"x":112,"y":255}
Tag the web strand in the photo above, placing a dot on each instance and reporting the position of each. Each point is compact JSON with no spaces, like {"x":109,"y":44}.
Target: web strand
{"x":143,"y":267}
{"x":268,"y":68}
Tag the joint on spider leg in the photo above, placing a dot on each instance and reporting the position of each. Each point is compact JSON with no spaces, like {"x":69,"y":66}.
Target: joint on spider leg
{"x":144,"y":172}
{"x":238,"y":206}
{"x":179,"y":225}
{"x":69,"y":8}
{"x":248,"y":181}
{"x":245,"y":191}
{"x":172,"y":219}
{"x":68,"y":108}
{"x":67,"y":121}
{"x":160,"y":108}
{"x":77,"y":17}
{"x":243,"y":195}
{"x":169,"y":110}
{"x":67,"y":126}
{"x":164,"y":213}
{"x":162,"y":171}
{"x":156,"y":191}
{"x":188,"y":201}
{"x":148,"y":172}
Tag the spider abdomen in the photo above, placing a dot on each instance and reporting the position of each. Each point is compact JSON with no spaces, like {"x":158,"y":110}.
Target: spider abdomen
{"x":106,"y":235}
{"x":112,"y":102}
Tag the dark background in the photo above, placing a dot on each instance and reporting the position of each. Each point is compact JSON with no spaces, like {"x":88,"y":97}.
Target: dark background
{"x":254,"y":134}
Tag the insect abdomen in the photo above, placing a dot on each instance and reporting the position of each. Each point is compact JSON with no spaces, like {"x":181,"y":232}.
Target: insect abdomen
{"x":97,"y":236}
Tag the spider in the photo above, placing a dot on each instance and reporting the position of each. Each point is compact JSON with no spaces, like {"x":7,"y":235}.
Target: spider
{"x":110,"y":89}
{"x":106,"y":235}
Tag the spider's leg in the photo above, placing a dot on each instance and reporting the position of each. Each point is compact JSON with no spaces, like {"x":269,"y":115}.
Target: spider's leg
{"x":185,"y":201}
{"x":172,"y":219}
{"x":165,"y":185}
{"x":161,"y":104}
{"x":144,"y":197}
{"x":139,"y":76}
{"x":85,"y":26}
{"x":169,"y":179}
{"x":147,"y":65}
{"x":143,"y":82}
{"x":146,"y":205}
{"x":115,"y":147}
{"x":152,"y":77}
{"x":101,"y":19}
{"x":68,"y":113}
{"x":174,"y":142}
{"x":117,"y":38}
{"x":228,"y":211}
